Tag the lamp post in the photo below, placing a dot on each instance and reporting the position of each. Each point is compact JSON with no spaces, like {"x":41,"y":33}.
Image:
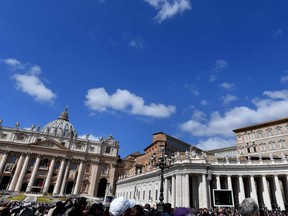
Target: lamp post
{"x":163,"y":162}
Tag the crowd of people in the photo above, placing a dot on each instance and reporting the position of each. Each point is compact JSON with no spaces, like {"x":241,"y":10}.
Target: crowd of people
{"x":126,"y":207}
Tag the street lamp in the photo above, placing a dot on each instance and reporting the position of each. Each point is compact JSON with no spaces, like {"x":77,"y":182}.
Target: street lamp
{"x":163,"y":162}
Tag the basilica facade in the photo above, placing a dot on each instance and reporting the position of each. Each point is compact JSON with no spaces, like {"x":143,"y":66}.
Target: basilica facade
{"x":54,"y":160}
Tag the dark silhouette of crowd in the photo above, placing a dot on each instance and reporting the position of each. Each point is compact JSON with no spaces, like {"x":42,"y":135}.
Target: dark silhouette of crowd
{"x":127,"y":207}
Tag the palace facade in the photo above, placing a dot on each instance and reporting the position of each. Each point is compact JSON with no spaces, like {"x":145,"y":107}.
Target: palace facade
{"x":255,"y":167}
{"x":54,"y":160}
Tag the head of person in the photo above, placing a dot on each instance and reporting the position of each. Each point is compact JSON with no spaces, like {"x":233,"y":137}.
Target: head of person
{"x":181,"y":211}
{"x":249,"y":207}
{"x":147,"y":207}
{"x":120,"y":206}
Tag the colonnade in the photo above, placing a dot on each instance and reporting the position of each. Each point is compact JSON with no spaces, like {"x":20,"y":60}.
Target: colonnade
{"x":55,"y":178}
{"x":195,"y":189}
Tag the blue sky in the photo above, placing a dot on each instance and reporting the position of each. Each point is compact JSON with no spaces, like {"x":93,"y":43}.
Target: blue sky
{"x":194,"y":69}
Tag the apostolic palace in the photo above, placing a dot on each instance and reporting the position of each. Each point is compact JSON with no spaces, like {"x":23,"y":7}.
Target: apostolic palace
{"x":54,"y":160}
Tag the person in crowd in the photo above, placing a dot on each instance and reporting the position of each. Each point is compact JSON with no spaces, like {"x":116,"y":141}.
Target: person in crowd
{"x":96,"y":209}
{"x":121,"y":206}
{"x":167,"y":210}
{"x":137,"y":210}
{"x":249,"y":207}
{"x":182,"y":212}
{"x":78,"y":208}
{"x":146,"y":210}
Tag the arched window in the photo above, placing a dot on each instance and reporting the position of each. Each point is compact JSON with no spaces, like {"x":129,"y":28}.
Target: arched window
{"x":13,"y":159}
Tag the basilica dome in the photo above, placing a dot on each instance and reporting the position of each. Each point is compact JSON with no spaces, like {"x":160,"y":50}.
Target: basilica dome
{"x":61,"y":127}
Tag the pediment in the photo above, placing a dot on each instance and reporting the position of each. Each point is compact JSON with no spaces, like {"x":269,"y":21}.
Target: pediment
{"x":51,"y":144}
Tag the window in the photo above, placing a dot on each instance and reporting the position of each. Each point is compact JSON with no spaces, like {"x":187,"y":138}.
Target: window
{"x":282,"y":143}
{"x":156,"y":195}
{"x":246,"y":137}
{"x":262,"y":147}
{"x":20,"y":137}
{"x":73,"y":166}
{"x":3,"y":136}
{"x":143,"y":195}
{"x":252,"y":136}
{"x":32,"y":162}
{"x":107,"y":149}
{"x":92,"y":149}
{"x":272,"y":144}
{"x":104,"y":170}
{"x":57,"y":165}
{"x":260,"y":134}
{"x":150,"y":198}
{"x":279,"y":130}
{"x":78,"y":145}
{"x":239,"y":138}
{"x":269,"y":132}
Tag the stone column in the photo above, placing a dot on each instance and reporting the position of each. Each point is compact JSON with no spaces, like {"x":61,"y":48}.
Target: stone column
{"x":178,"y":191}
{"x":218,"y":182}
{"x":266,"y":195}
{"x":93,"y":179}
{"x":3,"y":161}
{"x":22,"y":173}
{"x":33,"y":175}
{"x":278,"y":193}
{"x":195,"y":192}
{"x":173,"y":200}
{"x":16,"y":173}
{"x":285,"y":187}
{"x":59,"y":177}
{"x":253,"y":193}
{"x":65,"y":178}
{"x":49,"y":175}
{"x":186,"y":194}
{"x":112,"y":174}
{"x":241,"y":196}
{"x":165,"y":192}
{"x":204,"y":191}
{"x":79,"y":178}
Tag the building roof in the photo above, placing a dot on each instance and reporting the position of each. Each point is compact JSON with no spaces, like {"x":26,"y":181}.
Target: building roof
{"x":265,"y":124}
{"x":61,"y":126}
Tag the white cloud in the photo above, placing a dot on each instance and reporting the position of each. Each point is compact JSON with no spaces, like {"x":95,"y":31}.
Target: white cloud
{"x":91,"y":137}
{"x":284,"y":79}
{"x":203,"y":102}
{"x":215,"y":143}
{"x":278,"y":33}
{"x":14,"y":63}
{"x":228,"y":99}
{"x":199,"y":115}
{"x":193,"y":89}
{"x":274,"y":106}
{"x":282,"y":94}
{"x":220,"y":65}
{"x":98,"y":99}
{"x":33,"y":86}
{"x":226,"y":85}
{"x":136,"y":42}
{"x":168,"y":8}
{"x":30,"y":82}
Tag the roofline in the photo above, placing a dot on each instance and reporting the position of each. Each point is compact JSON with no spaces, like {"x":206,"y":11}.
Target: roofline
{"x":265,"y":124}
